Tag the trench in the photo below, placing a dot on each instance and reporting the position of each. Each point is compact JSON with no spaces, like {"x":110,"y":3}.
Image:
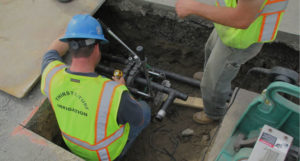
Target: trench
{"x":177,"y":46}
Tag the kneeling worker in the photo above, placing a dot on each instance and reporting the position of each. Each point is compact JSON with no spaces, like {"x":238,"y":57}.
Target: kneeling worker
{"x":97,"y":117}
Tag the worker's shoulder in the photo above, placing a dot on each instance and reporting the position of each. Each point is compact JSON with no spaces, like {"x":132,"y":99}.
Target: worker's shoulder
{"x":56,"y":63}
{"x":53,"y":65}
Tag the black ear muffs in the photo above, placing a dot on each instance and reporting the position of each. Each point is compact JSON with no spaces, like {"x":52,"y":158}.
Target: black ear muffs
{"x":74,"y":45}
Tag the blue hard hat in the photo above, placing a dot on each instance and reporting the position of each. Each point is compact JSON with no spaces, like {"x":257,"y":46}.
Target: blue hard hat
{"x":84,"y":26}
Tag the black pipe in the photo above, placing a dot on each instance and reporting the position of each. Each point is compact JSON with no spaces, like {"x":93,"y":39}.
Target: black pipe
{"x":168,"y":74}
{"x":105,"y":69}
{"x":162,"y":88}
{"x":178,"y":77}
{"x":115,"y":58}
{"x":172,"y":93}
{"x":143,"y":81}
{"x":162,"y":112}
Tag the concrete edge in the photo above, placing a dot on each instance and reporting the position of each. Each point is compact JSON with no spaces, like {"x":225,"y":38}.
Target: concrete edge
{"x":291,"y":40}
{"x":226,"y":127}
{"x":23,"y":131}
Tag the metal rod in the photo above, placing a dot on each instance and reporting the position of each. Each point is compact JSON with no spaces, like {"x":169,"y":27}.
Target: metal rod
{"x":134,"y":90}
{"x":135,"y":56}
{"x":155,"y":74}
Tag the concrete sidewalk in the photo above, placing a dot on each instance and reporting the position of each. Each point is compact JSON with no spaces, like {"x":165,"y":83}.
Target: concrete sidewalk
{"x":19,"y":143}
{"x":26,"y":30}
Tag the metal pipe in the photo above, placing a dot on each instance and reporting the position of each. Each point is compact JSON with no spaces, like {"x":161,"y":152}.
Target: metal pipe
{"x":135,"y":56}
{"x":159,"y":75}
{"x":178,"y":77}
{"x":134,"y":90}
{"x":162,"y":112}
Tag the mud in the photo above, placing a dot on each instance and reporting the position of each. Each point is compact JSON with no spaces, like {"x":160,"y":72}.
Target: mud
{"x":175,"y":46}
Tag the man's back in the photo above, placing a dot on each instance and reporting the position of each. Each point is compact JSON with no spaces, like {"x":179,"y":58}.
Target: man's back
{"x":98,"y":118}
{"x":86,"y":109}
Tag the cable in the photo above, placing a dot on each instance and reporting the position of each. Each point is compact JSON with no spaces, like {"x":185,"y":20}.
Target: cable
{"x":163,"y":150}
{"x":235,"y":94}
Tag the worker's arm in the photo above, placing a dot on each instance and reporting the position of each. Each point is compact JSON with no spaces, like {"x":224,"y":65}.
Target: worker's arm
{"x":130,"y":111}
{"x":55,"y":51}
{"x":240,"y":17}
{"x":59,"y":46}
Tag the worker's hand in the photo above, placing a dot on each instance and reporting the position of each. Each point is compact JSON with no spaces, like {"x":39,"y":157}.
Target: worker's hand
{"x":184,"y":7}
{"x":59,"y":46}
{"x":120,"y":80}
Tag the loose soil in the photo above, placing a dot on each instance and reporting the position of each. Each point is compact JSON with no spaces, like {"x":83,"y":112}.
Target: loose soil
{"x":177,"y":47}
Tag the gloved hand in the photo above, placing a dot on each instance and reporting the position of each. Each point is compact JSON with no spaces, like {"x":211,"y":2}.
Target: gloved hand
{"x":120,"y":80}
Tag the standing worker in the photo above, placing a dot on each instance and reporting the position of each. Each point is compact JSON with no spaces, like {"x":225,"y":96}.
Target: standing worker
{"x":241,"y":28}
{"x":97,"y":117}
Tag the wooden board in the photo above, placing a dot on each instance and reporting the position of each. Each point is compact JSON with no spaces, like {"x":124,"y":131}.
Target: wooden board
{"x":27,"y":27}
{"x":193,"y":102}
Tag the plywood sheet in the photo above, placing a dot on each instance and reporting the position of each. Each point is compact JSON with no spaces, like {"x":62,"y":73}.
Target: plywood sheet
{"x":27,"y":27}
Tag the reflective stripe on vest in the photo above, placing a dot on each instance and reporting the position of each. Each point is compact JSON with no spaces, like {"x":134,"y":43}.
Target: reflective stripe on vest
{"x":103,"y":144}
{"x":50,"y":75}
{"x":272,"y":7}
{"x":105,"y":101}
{"x":103,"y":154}
{"x":271,"y":15}
{"x":101,"y":140}
{"x":103,"y":109}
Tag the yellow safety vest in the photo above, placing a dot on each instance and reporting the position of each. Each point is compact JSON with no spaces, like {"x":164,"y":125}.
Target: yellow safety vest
{"x":86,"y":110}
{"x":263,"y":29}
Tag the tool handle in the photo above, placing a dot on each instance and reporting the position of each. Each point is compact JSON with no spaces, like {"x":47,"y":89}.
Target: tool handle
{"x":273,"y":95}
{"x":135,"y":56}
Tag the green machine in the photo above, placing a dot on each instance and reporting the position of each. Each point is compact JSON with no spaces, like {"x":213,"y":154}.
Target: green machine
{"x":276,"y":109}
